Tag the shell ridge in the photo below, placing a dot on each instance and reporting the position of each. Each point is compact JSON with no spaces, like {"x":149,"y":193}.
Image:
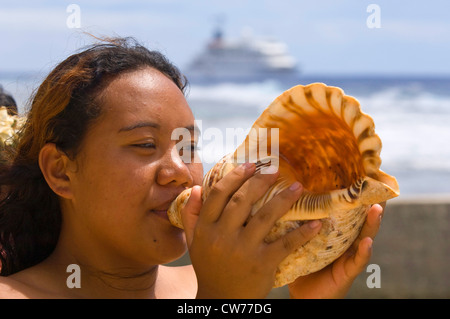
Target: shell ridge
{"x":296,"y":96}
{"x":309,"y":206}
{"x":350,"y":110}
{"x":291,"y":105}
{"x":332,"y":93}
{"x":311,"y":99}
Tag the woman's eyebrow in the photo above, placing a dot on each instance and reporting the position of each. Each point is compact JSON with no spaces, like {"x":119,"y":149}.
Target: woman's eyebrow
{"x":139,"y":125}
{"x":192,"y":128}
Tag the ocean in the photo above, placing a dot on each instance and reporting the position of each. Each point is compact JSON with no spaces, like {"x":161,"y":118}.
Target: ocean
{"x":411,"y":114}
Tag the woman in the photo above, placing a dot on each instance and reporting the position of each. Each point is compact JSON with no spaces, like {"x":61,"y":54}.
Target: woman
{"x":92,"y":179}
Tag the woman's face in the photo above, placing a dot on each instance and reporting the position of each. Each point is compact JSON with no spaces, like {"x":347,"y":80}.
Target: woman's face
{"x":128,"y":170}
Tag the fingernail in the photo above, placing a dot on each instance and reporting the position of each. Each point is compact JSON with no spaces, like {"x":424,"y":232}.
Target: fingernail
{"x":370,"y":246}
{"x":295,"y":186}
{"x":247,"y":166}
{"x":269,"y":170}
{"x":314,"y":224}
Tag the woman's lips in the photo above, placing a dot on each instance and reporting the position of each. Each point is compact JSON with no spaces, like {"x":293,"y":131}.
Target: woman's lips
{"x":161,"y":213}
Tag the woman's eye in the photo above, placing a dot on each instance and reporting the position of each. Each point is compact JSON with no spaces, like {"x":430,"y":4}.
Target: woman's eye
{"x":188,"y":152}
{"x":194,"y":147}
{"x":145,"y":145}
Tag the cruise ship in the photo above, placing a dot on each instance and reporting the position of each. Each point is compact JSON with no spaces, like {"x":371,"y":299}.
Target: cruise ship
{"x":243,"y":60}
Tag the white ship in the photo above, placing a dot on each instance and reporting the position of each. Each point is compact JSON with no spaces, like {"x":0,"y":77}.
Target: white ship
{"x":247,"y":59}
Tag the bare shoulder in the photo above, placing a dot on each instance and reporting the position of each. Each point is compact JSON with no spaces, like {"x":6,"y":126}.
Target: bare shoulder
{"x":12,"y":289}
{"x":25,"y":284}
{"x":188,"y":273}
{"x":185,"y":271}
{"x":180,"y":280}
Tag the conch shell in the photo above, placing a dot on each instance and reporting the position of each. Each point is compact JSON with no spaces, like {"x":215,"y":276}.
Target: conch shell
{"x":329,"y":145}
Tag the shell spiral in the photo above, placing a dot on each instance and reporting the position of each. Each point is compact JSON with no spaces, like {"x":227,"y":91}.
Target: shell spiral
{"x":319,"y":136}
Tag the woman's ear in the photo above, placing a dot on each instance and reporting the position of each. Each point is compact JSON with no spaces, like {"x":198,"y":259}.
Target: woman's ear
{"x":54,"y":164}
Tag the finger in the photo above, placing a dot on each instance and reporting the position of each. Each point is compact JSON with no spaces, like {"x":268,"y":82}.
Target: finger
{"x":240,"y":205}
{"x":373,"y":222}
{"x":285,"y":245}
{"x":371,"y":225}
{"x":190,"y":213}
{"x":223,"y":190}
{"x":264,"y":220}
{"x":357,"y":263}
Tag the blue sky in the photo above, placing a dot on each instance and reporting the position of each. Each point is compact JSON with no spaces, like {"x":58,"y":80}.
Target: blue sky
{"x":325,"y":36}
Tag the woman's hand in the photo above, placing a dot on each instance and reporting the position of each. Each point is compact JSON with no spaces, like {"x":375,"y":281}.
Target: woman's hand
{"x":335,"y":280}
{"x":229,"y":255}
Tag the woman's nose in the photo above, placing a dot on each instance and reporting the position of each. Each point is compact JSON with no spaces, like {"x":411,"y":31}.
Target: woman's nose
{"x":173,"y":170}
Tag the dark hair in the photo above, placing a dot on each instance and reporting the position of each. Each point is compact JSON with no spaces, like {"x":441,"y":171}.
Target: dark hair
{"x":8,"y":101}
{"x":61,"y":111}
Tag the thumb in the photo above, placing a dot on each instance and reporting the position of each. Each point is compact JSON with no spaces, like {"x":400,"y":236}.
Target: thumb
{"x":190,"y":213}
{"x":358,"y":262}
